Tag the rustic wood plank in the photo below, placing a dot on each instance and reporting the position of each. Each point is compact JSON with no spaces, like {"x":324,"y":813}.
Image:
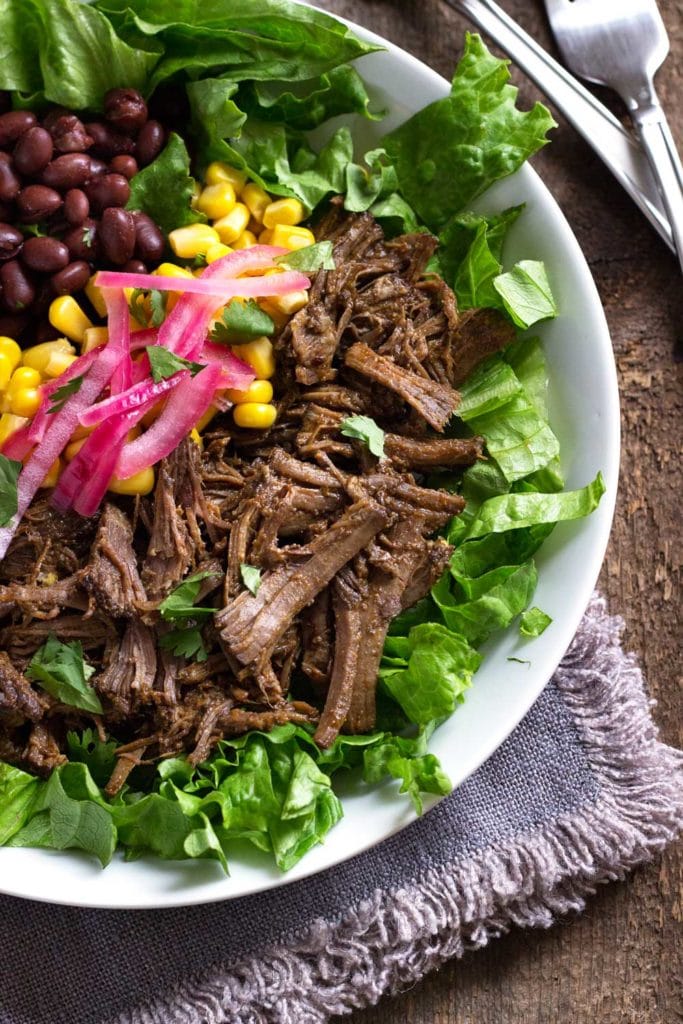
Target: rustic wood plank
{"x":620,"y":961}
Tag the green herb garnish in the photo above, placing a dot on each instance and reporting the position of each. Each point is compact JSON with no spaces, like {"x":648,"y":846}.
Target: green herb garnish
{"x":59,"y":397}
{"x":251,"y":577}
{"x":165,"y":364}
{"x":180,"y":603}
{"x":534,"y":622}
{"x":242,"y":322}
{"x":364,"y":428}
{"x":308,"y":259}
{"x":9,"y":474}
{"x":62,"y":671}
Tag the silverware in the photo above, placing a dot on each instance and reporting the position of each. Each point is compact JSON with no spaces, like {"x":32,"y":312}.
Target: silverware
{"x":622,"y":45}
{"x":604,"y":133}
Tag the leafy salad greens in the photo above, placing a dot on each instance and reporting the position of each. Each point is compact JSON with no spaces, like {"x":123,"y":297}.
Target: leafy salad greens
{"x":259,"y":76}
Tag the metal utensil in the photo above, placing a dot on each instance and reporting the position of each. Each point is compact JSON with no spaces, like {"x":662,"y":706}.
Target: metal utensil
{"x":599,"y":127}
{"x":622,"y":45}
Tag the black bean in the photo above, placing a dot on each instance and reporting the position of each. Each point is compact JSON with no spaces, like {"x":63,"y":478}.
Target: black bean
{"x":44,"y":331}
{"x":6,"y":213}
{"x":106,"y":142}
{"x":117,"y":235}
{"x":125,"y":165}
{"x":14,"y":123}
{"x":97,"y":167}
{"x":33,"y":151}
{"x":13,"y":326}
{"x":11,"y":241}
{"x":150,"y":142}
{"x":53,"y":116}
{"x":134,"y":267}
{"x":71,"y":279}
{"x":109,"y":190}
{"x":149,"y":239}
{"x":36,"y":202}
{"x":68,"y":171}
{"x":69,"y":134}
{"x":17,"y":290}
{"x":5,"y":101}
{"x":83,"y":241}
{"x":46,"y":255}
{"x":76,"y":206}
{"x":10,"y":183}
{"x":125,"y":109}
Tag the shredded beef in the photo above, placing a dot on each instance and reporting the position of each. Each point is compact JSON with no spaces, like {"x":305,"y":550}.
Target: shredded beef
{"x":111,"y":575}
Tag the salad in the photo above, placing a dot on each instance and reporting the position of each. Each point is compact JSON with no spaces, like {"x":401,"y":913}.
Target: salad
{"x":276,"y":457}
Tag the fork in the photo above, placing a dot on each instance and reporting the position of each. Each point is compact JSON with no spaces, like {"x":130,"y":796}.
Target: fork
{"x":622,"y":46}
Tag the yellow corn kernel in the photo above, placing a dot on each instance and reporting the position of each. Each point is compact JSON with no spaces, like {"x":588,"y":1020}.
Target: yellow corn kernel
{"x":197,"y":438}
{"x":5,"y":370}
{"x":292,"y":237}
{"x":140,"y":483}
{"x":53,"y":474}
{"x":245,"y":240}
{"x":192,"y":240}
{"x":24,"y":377}
{"x":9,"y":424}
{"x":58,"y":363}
{"x":256,"y":200}
{"x":25,"y":401}
{"x":10,"y":349}
{"x":286,"y":305}
{"x":153,"y":414}
{"x":171,"y":270}
{"x":95,"y":296}
{"x":94,"y":337}
{"x":231,"y":226}
{"x":73,"y":448}
{"x":203,"y":423}
{"x":67,"y":316}
{"x":260,"y":356}
{"x":260,"y":391}
{"x":218,"y":172}
{"x":217,"y":200}
{"x":217,"y":252}
{"x":266,"y":237}
{"x":38,"y":356}
{"x":256,"y":415}
{"x":283,"y":211}
{"x":81,"y":432}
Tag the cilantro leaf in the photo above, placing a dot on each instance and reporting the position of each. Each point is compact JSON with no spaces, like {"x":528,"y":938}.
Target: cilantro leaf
{"x":152,"y":315}
{"x":242,"y":322}
{"x":309,"y":258}
{"x":534,"y":622}
{"x":158,"y":302}
{"x":364,"y":428}
{"x":180,"y":602}
{"x":251,"y":577}
{"x":185,"y":642}
{"x":59,"y":397}
{"x":9,"y":474}
{"x":164,"y":363}
{"x":62,"y":671}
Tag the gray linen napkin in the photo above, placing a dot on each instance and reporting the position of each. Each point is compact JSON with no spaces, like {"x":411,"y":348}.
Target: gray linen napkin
{"x":581,"y":792}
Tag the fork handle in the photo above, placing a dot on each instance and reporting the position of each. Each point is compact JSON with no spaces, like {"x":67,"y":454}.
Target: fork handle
{"x":658,"y":143}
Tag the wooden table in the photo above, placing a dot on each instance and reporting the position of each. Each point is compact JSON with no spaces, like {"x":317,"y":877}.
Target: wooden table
{"x":619,"y":962}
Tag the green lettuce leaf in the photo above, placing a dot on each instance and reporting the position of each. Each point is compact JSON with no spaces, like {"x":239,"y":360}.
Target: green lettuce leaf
{"x":163,"y":189}
{"x":513,"y":511}
{"x":470,"y":255}
{"x":428,"y":671}
{"x":305,"y":105}
{"x":98,"y":755}
{"x":493,"y":601}
{"x":454,"y":149}
{"x":406,"y":759}
{"x":525,"y":291}
{"x":18,"y":792}
{"x":70,"y":813}
{"x":533,"y":622}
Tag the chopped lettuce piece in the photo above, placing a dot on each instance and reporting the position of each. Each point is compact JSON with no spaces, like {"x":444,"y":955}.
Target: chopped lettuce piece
{"x":496,"y":599}
{"x":525,"y":291}
{"x":513,"y":511}
{"x":364,"y":428}
{"x":18,"y":792}
{"x":454,"y":149}
{"x":533,"y":622}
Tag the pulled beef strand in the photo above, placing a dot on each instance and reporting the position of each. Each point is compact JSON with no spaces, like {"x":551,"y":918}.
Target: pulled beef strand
{"x":342,"y":540}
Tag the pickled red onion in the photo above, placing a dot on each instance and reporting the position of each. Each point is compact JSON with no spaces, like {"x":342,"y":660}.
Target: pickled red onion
{"x":215,"y":288}
{"x":143,"y":393}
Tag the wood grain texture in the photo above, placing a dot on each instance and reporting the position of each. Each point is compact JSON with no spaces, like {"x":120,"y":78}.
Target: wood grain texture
{"x":620,"y":961}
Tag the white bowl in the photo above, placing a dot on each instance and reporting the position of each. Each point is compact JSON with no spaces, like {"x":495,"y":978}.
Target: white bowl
{"x":585,"y":415}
